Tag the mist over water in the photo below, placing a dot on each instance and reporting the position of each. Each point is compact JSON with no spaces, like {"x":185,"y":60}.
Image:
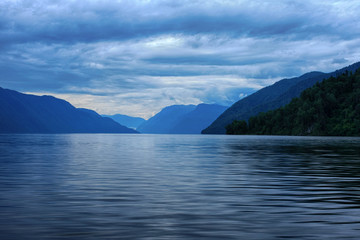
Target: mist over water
{"x":94,"y":186}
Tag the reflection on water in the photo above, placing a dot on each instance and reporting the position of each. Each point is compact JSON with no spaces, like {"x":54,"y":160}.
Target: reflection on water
{"x":178,"y":187}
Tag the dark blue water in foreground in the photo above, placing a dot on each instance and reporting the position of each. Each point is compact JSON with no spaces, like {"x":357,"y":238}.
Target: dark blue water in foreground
{"x":178,"y":187}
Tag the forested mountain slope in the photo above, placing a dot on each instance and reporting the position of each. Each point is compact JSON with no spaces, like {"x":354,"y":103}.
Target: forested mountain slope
{"x":329,"y":108}
{"x":271,"y":97}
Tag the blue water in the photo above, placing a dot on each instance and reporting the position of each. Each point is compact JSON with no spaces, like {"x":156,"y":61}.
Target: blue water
{"x":93,"y":186}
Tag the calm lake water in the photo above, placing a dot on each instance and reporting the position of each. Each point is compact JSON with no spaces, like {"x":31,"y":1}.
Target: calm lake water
{"x":94,"y":186}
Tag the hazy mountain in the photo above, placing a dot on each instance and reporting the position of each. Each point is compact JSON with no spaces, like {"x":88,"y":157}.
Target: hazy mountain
{"x":127,"y":121}
{"x":269,"y":98}
{"x":166,"y":119}
{"x":198,"y":119}
{"x":182,"y":119}
{"x":24,"y":113}
{"x":329,"y":108}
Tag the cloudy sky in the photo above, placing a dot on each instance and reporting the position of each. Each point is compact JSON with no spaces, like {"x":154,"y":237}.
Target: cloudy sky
{"x":138,"y":56}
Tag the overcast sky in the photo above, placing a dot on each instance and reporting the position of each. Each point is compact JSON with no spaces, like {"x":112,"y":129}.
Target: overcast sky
{"x":137,"y":56}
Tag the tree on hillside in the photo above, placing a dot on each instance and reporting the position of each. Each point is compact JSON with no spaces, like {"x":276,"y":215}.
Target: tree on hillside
{"x":330,"y":108}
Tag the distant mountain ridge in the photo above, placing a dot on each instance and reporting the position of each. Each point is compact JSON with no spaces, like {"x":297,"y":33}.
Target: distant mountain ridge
{"x":164,"y":121}
{"x":127,"y":121}
{"x":269,"y":98}
{"x":182,"y":119}
{"x":196,"y":120}
{"x":25,"y":113}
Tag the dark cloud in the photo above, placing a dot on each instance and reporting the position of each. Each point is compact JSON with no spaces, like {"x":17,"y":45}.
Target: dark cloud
{"x":89,"y":21}
{"x":207,"y":59}
{"x":339,"y":61}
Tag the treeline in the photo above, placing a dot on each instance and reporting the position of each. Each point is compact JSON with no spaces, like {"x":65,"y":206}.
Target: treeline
{"x":329,"y":108}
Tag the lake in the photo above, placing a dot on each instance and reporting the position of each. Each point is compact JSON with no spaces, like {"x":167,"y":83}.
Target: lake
{"x":104,"y":186}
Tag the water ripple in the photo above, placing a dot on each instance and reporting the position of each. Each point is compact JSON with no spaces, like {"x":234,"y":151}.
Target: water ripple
{"x":178,"y":187}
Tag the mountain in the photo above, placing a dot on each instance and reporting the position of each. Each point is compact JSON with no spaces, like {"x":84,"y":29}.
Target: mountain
{"x":127,"y":121}
{"x":182,"y":119}
{"x":24,"y":113}
{"x":198,"y":119}
{"x":269,"y":98}
{"x":166,"y":119}
{"x":329,"y":108}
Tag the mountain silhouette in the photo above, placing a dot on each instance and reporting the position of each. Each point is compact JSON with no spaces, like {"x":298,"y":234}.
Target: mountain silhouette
{"x":166,"y":119}
{"x":127,"y":121}
{"x":182,"y":119}
{"x":329,"y":108}
{"x":198,"y":119}
{"x":25,"y":113}
{"x":271,"y":97}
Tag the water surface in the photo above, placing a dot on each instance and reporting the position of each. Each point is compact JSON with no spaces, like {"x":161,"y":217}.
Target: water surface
{"x":94,"y":186}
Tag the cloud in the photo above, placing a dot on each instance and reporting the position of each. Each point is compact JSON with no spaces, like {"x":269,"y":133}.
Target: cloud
{"x":339,"y":61}
{"x":91,"y":21}
{"x":137,"y":56}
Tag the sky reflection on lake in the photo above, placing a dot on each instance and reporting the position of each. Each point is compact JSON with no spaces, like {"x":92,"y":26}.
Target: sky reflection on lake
{"x":83,"y":186}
